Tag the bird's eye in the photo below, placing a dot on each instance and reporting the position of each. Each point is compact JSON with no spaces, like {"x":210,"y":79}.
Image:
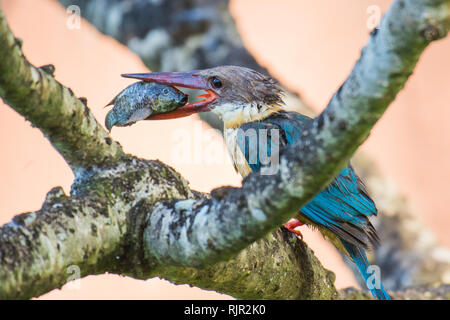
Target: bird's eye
{"x":216,"y":82}
{"x":165,"y":91}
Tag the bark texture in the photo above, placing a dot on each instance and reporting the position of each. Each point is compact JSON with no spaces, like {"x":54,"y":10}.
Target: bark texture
{"x":201,"y":34}
{"x":100,"y":227}
{"x":63,"y":118}
{"x":137,"y":217}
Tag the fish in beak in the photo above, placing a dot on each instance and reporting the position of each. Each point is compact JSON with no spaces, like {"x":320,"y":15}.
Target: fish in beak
{"x":191,"y":80}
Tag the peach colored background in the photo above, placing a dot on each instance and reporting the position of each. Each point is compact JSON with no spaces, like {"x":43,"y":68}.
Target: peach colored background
{"x":310,"y":46}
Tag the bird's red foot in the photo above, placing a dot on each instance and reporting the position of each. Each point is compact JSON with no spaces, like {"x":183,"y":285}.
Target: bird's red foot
{"x":292,"y":224}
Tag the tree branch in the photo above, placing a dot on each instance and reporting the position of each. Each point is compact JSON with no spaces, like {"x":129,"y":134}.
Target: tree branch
{"x":102,"y":227}
{"x":64,"y":119}
{"x":308,"y":165}
{"x":171,"y":36}
{"x":166,"y":237}
{"x":207,"y":36}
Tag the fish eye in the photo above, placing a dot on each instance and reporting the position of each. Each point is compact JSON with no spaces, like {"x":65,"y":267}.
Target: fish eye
{"x":216,"y":83}
{"x":165,"y":91}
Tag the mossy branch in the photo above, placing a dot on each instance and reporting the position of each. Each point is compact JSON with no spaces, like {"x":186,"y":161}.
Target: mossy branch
{"x":137,"y":217}
{"x":100,"y":229}
{"x":213,"y":23}
{"x":63,"y":118}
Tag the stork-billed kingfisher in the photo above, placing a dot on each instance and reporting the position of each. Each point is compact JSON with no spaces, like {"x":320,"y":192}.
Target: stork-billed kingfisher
{"x":245,"y":99}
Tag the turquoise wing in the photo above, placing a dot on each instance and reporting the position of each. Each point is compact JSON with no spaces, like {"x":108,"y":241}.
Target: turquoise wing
{"x":343,"y":207}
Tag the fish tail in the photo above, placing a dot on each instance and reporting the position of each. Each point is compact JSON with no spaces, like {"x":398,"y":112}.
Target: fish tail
{"x":359,"y":257}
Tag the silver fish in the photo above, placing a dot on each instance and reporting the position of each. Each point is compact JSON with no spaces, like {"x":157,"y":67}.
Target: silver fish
{"x":141,"y":99}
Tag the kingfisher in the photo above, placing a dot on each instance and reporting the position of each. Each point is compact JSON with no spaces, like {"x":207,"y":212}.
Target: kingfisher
{"x":247,"y":101}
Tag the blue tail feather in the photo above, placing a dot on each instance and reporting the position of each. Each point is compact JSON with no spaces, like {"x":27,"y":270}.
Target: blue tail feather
{"x":359,"y":257}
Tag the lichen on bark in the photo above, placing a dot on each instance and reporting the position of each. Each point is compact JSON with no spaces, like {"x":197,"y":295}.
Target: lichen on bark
{"x":138,"y":217}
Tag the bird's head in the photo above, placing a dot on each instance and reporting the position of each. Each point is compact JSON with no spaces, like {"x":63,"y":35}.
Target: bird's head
{"x":233,"y":93}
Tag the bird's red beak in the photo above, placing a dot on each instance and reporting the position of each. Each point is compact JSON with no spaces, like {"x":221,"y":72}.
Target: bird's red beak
{"x":190,"y":80}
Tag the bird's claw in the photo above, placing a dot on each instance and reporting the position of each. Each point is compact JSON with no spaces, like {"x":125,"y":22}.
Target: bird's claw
{"x":292,"y":224}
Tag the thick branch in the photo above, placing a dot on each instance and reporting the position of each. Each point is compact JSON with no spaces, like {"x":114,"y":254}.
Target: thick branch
{"x":37,"y":249}
{"x":100,"y":229}
{"x":306,"y":167}
{"x":176,"y":35}
{"x":213,"y":24}
{"x":64,"y":119}
{"x":193,"y":37}
{"x":171,"y":35}
{"x":87,"y":230}
{"x":166,"y":237}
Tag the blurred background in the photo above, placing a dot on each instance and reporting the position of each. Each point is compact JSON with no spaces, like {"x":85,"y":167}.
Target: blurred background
{"x":310,"y":47}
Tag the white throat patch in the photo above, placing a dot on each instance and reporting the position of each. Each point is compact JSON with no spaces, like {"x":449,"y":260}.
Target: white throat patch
{"x":234,"y":115}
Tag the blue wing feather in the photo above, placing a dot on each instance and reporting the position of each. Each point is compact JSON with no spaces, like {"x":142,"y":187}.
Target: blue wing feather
{"x":343,"y":207}
{"x":359,"y":257}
